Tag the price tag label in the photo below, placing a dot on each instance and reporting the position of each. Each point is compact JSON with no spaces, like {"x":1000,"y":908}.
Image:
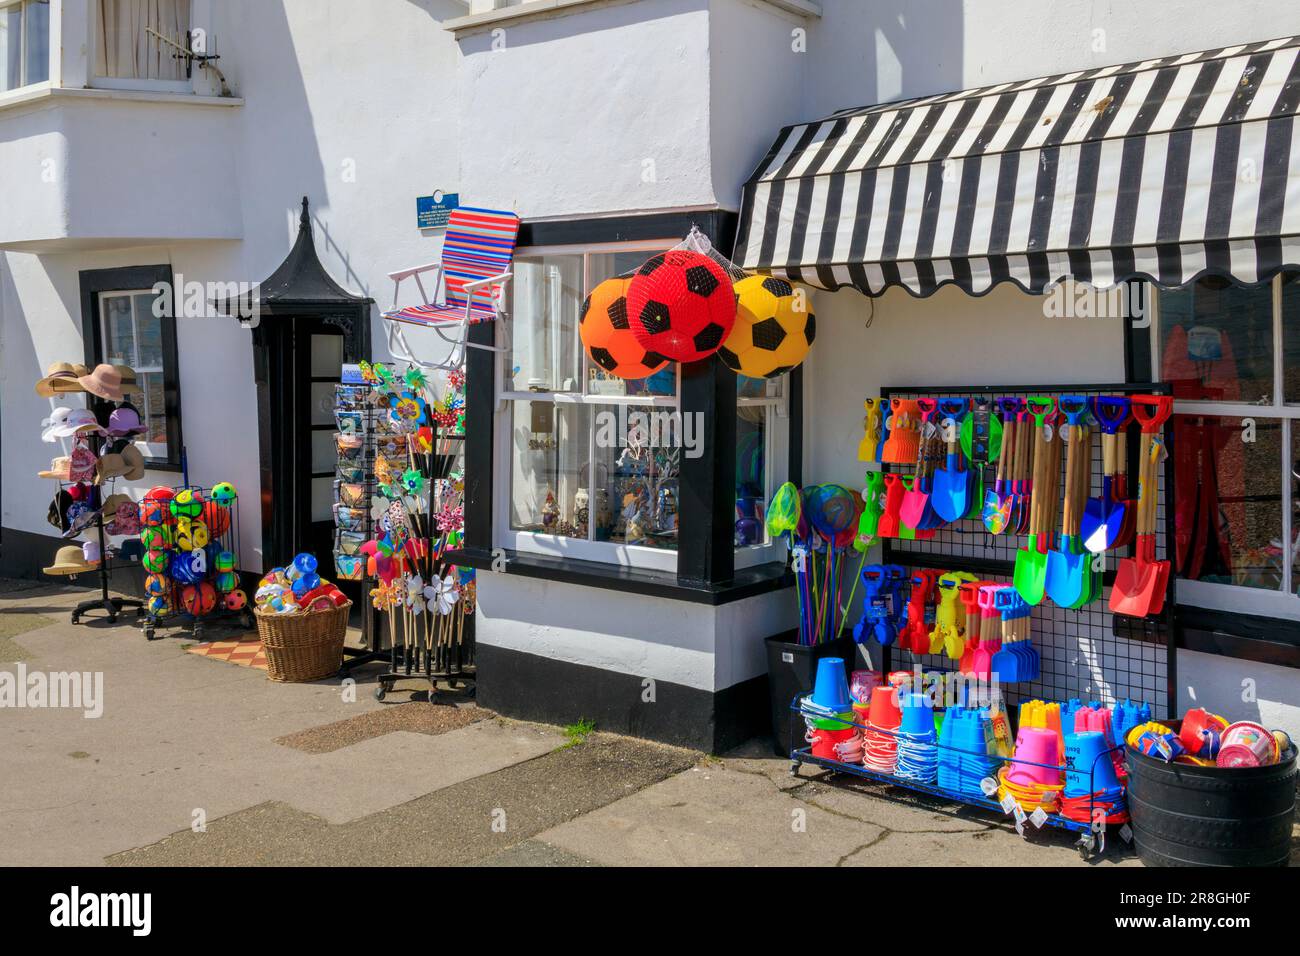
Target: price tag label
{"x":1038,"y":818}
{"x":1009,"y":805}
{"x":990,"y":787}
{"x":1126,"y":833}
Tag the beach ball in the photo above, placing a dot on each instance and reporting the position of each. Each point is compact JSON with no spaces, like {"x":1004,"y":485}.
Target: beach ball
{"x":187,"y":503}
{"x":192,"y":535}
{"x":236,"y":600}
{"x":224,"y":561}
{"x":159,"y":605}
{"x":156,"y":584}
{"x":607,"y":334}
{"x":223,"y":494}
{"x":156,"y":562}
{"x":153,"y":513}
{"x":199,"y":599}
{"x":774,"y":329}
{"x":681,"y":305}
{"x":226,"y":581}
{"x":156,"y":538}
{"x":217,"y":517}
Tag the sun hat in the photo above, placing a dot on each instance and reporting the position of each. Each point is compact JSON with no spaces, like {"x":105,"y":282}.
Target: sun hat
{"x":124,"y":420}
{"x":111,"y":465}
{"x":105,"y":381}
{"x":66,"y":422}
{"x":82,"y":462}
{"x":59,"y":378}
{"x":71,"y":559}
{"x":129,"y":383}
{"x":60,"y":468}
{"x":134,"y":463}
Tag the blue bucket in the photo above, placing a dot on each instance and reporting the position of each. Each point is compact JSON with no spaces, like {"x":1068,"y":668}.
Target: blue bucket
{"x":831,"y":689}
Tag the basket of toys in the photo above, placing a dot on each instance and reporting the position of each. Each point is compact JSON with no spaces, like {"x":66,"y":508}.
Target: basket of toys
{"x":302,"y":621}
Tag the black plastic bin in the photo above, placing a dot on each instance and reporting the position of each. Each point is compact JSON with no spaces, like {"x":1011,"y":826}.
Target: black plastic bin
{"x":1184,"y":815}
{"x":791,"y":671}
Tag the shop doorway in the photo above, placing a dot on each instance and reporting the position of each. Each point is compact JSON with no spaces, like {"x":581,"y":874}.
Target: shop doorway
{"x":306,"y":327}
{"x":304,"y":361}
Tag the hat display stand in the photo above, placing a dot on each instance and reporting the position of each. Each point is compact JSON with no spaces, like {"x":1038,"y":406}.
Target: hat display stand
{"x":1079,"y":652}
{"x":58,"y":384}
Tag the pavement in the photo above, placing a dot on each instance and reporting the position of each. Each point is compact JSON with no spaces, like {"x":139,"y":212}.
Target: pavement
{"x":201,"y":762}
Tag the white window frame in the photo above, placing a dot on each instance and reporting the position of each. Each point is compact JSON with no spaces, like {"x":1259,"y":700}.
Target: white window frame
{"x":22,"y":46}
{"x":625,"y":555}
{"x":776,"y":435}
{"x":150,"y":450}
{"x":1235,"y":598}
{"x":129,"y":83}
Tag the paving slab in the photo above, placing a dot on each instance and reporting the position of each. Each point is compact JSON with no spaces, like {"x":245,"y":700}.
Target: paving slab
{"x":465,"y":823}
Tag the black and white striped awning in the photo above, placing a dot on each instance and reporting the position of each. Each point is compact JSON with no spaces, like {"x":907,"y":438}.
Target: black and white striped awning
{"x":1165,"y":169}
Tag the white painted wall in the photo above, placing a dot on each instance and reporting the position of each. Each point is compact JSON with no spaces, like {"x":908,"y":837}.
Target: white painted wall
{"x":695,"y":645}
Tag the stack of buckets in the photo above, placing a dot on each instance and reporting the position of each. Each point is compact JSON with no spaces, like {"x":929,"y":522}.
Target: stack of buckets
{"x":883,"y":720}
{"x":966,"y":750}
{"x":1034,"y":777}
{"x":829,"y":715}
{"x":918,"y":758}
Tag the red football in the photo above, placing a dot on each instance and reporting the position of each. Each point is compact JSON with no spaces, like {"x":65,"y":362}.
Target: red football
{"x":681,"y":305}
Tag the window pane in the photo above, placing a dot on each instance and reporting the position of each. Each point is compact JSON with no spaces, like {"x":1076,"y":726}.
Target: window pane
{"x":751,"y":474}
{"x":638,"y":464}
{"x":1217,"y":341}
{"x":38,"y":41}
{"x":549,"y":466}
{"x":148,"y":327}
{"x":546,"y":296}
{"x":1228,"y":500}
{"x":123,"y":46}
{"x":11,"y":47}
{"x":119,"y":333}
{"x":1291,"y":337}
{"x":154,"y":412}
{"x":664,"y":382}
{"x":1295,"y":506}
{"x":326,"y":356}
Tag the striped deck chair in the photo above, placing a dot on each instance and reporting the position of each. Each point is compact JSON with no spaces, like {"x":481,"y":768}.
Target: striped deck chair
{"x":472,"y":277}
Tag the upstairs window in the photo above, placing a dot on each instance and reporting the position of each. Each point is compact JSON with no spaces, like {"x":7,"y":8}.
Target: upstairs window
{"x":24,"y":43}
{"x":127,"y":53}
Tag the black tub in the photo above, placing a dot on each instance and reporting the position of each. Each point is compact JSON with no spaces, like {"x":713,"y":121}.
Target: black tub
{"x":791,"y":671}
{"x":1184,"y":815}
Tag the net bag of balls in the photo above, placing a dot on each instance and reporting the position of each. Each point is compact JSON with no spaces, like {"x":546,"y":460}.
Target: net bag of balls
{"x":306,"y":644}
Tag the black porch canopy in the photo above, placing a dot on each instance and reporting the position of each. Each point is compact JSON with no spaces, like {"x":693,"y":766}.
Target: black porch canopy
{"x":1165,"y":170}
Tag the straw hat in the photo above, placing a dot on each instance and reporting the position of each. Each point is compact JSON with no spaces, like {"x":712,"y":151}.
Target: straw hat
{"x":129,"y":383}
{"x":60,"y":468}
{"x":105,"y":381}
{"x":60,"y":378}
{"x":128,"y":464}
{"x":71,"y":559}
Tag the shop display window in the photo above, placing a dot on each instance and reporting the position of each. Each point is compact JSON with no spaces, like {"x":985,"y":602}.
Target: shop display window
{"x":1232,"y":355}
{"x":595,"y":459}
{"x":133,"y":335}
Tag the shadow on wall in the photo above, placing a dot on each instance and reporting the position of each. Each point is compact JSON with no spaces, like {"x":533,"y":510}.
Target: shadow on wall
{"x":879,"y":52}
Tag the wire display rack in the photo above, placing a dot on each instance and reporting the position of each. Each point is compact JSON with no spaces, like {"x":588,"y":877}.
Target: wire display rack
{"x":1090,"y":653}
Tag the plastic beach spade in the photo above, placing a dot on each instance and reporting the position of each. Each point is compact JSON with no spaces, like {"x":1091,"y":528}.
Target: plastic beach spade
{"x":1069,"y":568}
{"x":1140,"y":581}
{"x":916,"y":512}
{"x":1030,"y":574}
{"x":1103,"y":517}
{"x":950,"y":491}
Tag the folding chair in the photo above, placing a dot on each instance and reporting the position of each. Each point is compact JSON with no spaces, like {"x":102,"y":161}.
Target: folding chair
{"x":472,"y":275}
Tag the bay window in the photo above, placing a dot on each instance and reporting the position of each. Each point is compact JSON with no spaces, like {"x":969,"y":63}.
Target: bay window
{"x":127,"y":53}
{"x":1232,"y":356}
{"x":592,"y":464}
{"x":24,"y":43}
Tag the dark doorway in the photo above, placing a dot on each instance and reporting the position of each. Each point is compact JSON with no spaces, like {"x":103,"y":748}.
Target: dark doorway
{"x":304,"y":361}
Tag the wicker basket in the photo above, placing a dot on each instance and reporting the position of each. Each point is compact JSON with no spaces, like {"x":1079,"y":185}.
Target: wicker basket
{"x":303,"y":647}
